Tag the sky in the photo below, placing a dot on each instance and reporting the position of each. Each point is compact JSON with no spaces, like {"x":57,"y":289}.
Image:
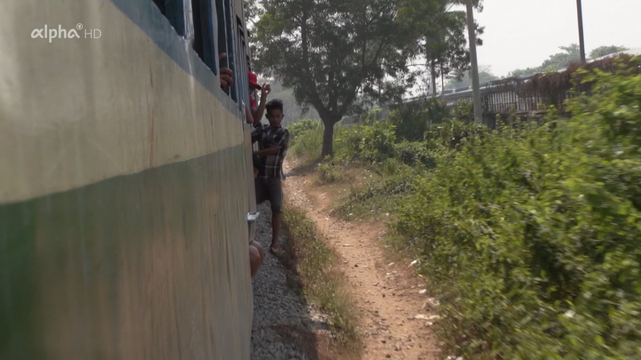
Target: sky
{"x":523,"y":33}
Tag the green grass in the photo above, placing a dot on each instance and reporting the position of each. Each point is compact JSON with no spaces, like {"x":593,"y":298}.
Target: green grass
{"x":379,"y":193}
{"x":320,"y":279}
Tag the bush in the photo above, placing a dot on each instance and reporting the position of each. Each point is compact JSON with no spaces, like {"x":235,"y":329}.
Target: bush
{"x":308,"y":142}
{"x":307,"y":139}
{"x":413,"y":120}
{"x":464,"y":111}
{"x":298,"y":128}
{"x":531,"y":236}
{"x":453,"y":134}
{"x":373,"y":143}
{"x":390,"y":182}
{"x":329,"y":172}
{"x":370,"y":117}
{"x":414,"y":153}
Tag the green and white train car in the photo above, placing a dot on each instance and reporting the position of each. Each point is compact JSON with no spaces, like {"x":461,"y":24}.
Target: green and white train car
{"x":125,"y":181}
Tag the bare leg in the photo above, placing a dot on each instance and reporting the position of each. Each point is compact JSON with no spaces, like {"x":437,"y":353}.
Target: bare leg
{"x":276,"y":220}
{"x":254,"y":260}
{"x":260,"y":249}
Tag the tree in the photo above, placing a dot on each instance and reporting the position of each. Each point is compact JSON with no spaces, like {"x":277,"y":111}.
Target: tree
{"x":444,"y":42}
{"x":562,"y":60}
{"x":293,"y":112}
{"x":606,"y":50}
{"x":555,"y":62}
{"x":336,"y":55}
{"x":485,"y":76}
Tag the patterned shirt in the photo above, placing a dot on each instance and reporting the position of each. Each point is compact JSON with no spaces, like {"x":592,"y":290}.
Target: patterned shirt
{"x":267,"y":136}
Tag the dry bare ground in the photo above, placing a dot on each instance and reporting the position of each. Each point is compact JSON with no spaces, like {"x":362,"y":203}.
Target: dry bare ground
{"x":395,"y":312}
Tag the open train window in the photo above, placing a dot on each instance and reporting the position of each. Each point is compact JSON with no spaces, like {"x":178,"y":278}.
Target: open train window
{"x":174,"y":12}
{"x":225,"y":42}
{"x":228,"y":42}
{"x":204,"y":33}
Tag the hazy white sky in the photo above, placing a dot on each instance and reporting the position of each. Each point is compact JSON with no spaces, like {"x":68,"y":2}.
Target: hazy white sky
{"x":523,"y":33}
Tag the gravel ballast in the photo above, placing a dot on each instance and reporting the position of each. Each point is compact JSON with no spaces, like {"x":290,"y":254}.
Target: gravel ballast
{"x":283,"y":324}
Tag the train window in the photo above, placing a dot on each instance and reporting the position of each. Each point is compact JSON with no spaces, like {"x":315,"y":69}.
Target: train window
{"x":243,"y":58}
{"x":225,"y":42}
{"x":204,"y":33}
{"x":173,"y":11}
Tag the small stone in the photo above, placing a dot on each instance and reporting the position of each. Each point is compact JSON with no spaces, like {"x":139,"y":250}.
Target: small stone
{"x":422,"y":292}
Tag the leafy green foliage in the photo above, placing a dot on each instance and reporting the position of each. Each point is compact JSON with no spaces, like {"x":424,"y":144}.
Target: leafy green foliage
{"x":306,"y":139}
{"x":530,"y":236}
{"x":443,"y":36}
{"x":363,"y":143}
{"x":300,"y":127}
{"x":413,"y":120}
{"x":370,"y":117}
{"x":414,"y":154}
{"x":558,"y":61}
{"x":564,"y":59}
{"x":329,"y":172}
{"x":381,"y":193}
{"x":606,"y":50}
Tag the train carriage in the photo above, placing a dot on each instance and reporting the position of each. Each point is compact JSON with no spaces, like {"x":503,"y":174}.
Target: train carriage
{"x":125,"y":180}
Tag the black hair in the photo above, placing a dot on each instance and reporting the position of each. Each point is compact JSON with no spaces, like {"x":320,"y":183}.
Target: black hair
{"x":275,"y":104}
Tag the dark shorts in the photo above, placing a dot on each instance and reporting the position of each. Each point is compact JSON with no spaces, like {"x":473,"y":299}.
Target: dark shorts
{"x":269,"y":189}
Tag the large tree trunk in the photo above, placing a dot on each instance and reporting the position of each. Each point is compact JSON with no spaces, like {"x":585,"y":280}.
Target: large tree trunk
{"x":328,"y":138}
{"x":433,"y":76}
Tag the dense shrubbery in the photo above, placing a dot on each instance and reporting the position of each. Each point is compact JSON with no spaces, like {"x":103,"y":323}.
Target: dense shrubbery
{"x":298,"y":128}
{"x":414,"y":154}
{"x":363,"y":143}
{"x":329,"y":172}
{"x":531,"y":235}
{"x":413,"y":120}
{"x":306,"y":139}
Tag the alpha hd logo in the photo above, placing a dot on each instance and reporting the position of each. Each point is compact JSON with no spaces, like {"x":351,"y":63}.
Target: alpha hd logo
{"x":52,"y":33}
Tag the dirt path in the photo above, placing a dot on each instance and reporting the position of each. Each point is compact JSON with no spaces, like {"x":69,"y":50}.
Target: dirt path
{"x":388,"y":295}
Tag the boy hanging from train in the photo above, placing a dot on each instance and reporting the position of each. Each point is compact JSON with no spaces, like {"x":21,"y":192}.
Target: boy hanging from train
{"x":272,"y":141}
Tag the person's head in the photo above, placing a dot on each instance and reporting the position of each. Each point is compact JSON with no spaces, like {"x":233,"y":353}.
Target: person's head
{"x":274,"y":110}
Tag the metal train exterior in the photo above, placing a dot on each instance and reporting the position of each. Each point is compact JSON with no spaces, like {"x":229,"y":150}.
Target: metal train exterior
{"x":125,"y":181}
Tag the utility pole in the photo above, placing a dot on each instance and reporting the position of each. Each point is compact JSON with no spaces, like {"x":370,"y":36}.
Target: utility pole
{"x":478,"y":112}
{"x":579,"y":9}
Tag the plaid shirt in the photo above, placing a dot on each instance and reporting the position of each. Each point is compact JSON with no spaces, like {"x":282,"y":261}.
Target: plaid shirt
{"x":268,"y":136}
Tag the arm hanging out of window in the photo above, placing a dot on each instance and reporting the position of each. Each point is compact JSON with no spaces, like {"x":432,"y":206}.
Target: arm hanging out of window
{"x":226,"y":75}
